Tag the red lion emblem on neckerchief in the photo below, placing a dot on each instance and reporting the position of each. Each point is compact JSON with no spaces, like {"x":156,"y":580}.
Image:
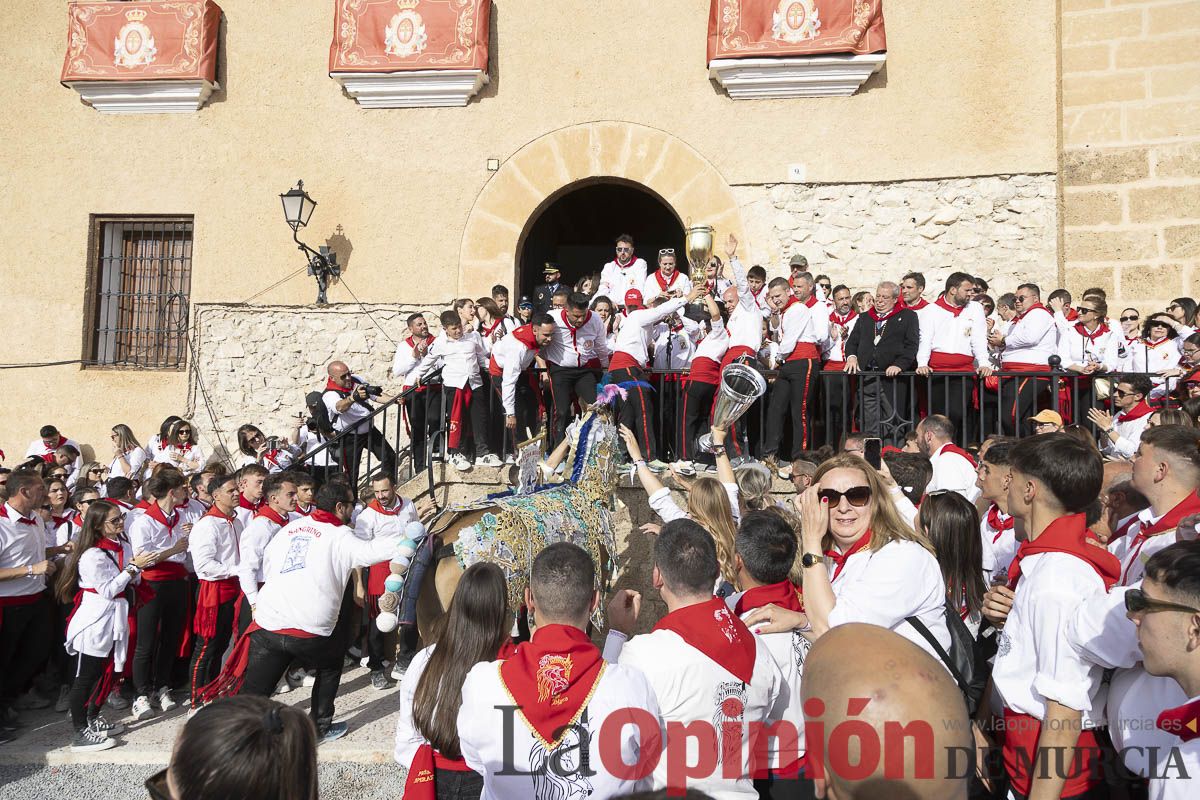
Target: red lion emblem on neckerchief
{"x":553,"y":677}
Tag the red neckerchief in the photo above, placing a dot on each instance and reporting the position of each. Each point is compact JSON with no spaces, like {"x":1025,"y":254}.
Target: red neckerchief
{"x":141,"y":505}
{"x":413,"y":342}
{"x":1170,"y":521}
{"x":812,"y":300}
{"x":627,"y":264}
{"x":551,"y":679}
{"x":57,"y":520}
{"x":1124,"y":529}
{"x":524,"y":335}
{"x":1068,"y":534}
{"x":1021,"y":316}
{"x":917,"y":306}
{"x":840,"y":559}
{"x":304,"y":512}
{"x":1153,"y":345}
{"x":22,"y":520}
{"x":77,"y":519}
{"x":996,"y":523}
{"x":271,"y":514}
{"x":330,"y":386}
{"x":324,"y":516}
{"x":1182,"y":721}
{"x":668,"y":284}
{"x":896,"y":309}
{"x":1101,"y":329}
{"x":1142,"y":409}
{"x":784,"y":594}
{"x":713,"y":630}
{"x":113,"y":546}
{"x":183,"y":447}
{"x":567,"y":321}
{"x":375,"y":505}
{"x":489,"y":331}
{"x":213,"y":511}
{"x":155,"y":512}
{"x":120,"y":503}
{"x":1071,"y":314}
{"x":955,"y":310}
{"x":953,"y":448}
{"x":791,"y":301}
{"x":834,"y":316}
{"x":755,"y":294}
{"x":244,"y":503}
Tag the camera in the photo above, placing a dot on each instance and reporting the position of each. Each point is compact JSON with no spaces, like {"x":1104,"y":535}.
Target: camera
{"x":273,"y":443}
{"x":372,"y":391}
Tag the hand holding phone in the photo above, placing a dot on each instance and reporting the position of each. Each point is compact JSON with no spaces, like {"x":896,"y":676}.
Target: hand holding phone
{"x":873,"y":452}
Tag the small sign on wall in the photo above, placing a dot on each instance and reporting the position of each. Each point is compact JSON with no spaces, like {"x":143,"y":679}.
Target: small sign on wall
{"x":796,"y":173}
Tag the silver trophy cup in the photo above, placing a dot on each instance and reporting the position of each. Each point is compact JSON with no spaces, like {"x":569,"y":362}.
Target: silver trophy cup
{"x":740,"y":386}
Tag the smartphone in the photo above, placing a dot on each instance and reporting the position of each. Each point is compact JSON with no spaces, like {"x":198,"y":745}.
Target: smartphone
{"x":873,"y":452}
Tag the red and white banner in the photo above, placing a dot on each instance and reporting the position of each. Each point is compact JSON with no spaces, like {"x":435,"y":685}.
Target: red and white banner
{"x":142,"y":41}
{"x":758,"y":28}
{"x":406,"y":35}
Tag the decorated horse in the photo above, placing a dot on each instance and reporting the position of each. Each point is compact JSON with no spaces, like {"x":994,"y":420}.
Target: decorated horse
{"x":510,"y":528}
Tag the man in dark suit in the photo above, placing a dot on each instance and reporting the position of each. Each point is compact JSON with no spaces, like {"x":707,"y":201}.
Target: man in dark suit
{"x":542,"y":294}
{"x":885,"y":340}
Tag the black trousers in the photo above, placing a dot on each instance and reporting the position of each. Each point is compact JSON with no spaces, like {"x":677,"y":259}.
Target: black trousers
{"x":1019,"y":401}
{"x":526,"y":406}
{"x":206,"y":655}
{"x":837,"y":398}
{"x":637,"y":409}
{"x":270,"y":655}
{"x":88,"y":670}
{"x":160,"y":624}
{"x":697,"y":408}
{"x":885,"y":408}
{"x":455,"y":785}
{"x":792,"y":393}
{"x":566,"y":382}
{"x":773,"y":788}
{"x":952,"y":395}
{"x":350,"y":453}
{"x":26,"y":637}
{"x":477,"y":412}
{"x":422,"y":408}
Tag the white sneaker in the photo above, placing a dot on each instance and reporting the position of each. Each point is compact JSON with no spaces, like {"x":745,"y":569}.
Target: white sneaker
{"x":310,"y":679}
{"x":657,"y":466}
{"x":142,"y":708}
{"x":165,"y":701}
{"x":490,"y":460}
{"x":510,"y":459}
{"x":684,"y":467}
{"x":460,"y":463}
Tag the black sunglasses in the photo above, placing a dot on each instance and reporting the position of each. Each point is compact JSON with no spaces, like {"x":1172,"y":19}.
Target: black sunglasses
{"x":1085,"y":310}
{"x":857,"y":496}
{"x":1122,"y":393}
{"x":1136,"y":602}
{"x":1130,"y":319}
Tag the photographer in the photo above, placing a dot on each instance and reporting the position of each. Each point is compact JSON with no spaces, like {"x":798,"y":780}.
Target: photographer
{"x":254,"y":447}
{"x":347,"y":398}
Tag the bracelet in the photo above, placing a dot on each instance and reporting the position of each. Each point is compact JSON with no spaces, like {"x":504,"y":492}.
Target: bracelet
{"x":641,"y":462}
{"x":29,"y":570}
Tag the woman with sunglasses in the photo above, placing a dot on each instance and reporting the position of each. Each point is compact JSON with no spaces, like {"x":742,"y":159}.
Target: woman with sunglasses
{"x":1183,"y":310}
{"x":92,"y":475}
{"x":1161,"y":353}
{"x":129,"y":457}
{"x":95,"y":581}
{"x":255,"y":448}
{"x":715,"y":282}
{"x":1130,"y":352}
{"x":180,"y":449}
{"x":861,"y":562}
{"x":1189,"y":357}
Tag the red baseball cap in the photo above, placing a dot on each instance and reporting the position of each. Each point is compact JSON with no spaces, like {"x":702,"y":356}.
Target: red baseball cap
{"x":633,"y":299}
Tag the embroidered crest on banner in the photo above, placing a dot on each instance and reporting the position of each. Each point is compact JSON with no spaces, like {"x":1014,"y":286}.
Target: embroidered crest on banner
{"x":134,"y":45}
{"x":405,"y":35}
{"x":796,"y":21}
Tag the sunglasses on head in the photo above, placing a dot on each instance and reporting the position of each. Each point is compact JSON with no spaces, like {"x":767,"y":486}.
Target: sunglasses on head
{"x":1137,"y":602}
{"x":1129,"y":319}
{"x":667,"y":251}
{"x":857,"y":496}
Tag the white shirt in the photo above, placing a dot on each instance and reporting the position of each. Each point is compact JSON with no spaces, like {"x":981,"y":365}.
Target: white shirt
{"x":834,"y":348}
{"x":882,"y":588}
{"x":1131,"y":354}
{"x":1032,"y":338}
{"x":213,"y":545}
{"x":797,"y":327}
{"x":513,"y":357}
{"x":1077,"y":350}
{"x":1134,"y":550}
{"x":1171,"y":785}
{"x":370,"y":524}
{"x":953,"y":471}
{"x":652,"y":288}
{"x":999,"y":547}
{"x":615,"y":281}
{"x":714,"y":344}
{"x":745,"y":319}
{"x":21,"y":545}
{"x":408,"y":738}
{"x":404,"y":365}
{"x":461,"y":360}
{"x":305,"y":567}
{"x":256,"y":535}
{"x":38,"y":448}
{"x":189,"y":460}
{"x":691,"y":687}
{"x":310,"y":441}
{"x":1161,"y":355}
{"x":1129,"y":436}
{"x":944,"y":332}
{"x":483,"y":717}
{"x":101,"y":623}
{"x":576,"y":347}
{"x":353,"y":416}
{"x":1035,"y":663}
{"x":638,"y":327}
{"x":678,"y":343}
{"x":148,"y":535}
{"x":136,"y":457}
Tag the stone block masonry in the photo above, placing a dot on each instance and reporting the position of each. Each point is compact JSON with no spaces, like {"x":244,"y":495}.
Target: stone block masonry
{"x":1002,"y":228}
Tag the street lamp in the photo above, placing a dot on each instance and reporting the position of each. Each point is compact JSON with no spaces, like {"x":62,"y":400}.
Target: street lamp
{"x":322,"y":264}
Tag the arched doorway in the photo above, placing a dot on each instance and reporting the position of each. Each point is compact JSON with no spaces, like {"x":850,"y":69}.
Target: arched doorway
{"x":576,"y":228}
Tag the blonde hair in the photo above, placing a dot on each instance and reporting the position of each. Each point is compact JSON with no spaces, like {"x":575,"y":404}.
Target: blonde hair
{"x":708,"y":506}
{"x":83,"y":481}
{"x":125,"y":438}
{"x":754,"y":487}
{"x":886,"y":523}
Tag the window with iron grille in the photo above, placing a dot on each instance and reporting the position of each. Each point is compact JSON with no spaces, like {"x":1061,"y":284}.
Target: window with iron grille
{"x":138,"y":291}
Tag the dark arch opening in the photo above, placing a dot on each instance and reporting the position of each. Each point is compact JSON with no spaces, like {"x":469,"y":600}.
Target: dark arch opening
{"x":577,"y":228}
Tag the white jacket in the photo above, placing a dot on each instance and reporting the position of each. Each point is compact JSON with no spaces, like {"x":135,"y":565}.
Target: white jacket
{"x":256,"y":535}
{"x":615,"y":281}
{"x":101,"y":623}
{"x":461,"y":360}
{"x":637,"y":330}
{"x":510,"y":357}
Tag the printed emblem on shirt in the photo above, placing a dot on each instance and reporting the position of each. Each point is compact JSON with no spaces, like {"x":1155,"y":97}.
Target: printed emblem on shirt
{"x":562,"y":773}
{"x":729,"y":706}
{"x":297,"y":555}
{"x":553,"y":678}
{"x":1003,"y":644}
{"x":800,"y":648}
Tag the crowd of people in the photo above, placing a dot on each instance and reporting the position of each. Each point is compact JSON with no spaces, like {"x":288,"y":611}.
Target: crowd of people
{"x":1034,"y":600}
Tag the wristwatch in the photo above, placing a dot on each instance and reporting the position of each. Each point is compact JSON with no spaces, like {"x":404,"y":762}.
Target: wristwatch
{"x":810,"y":560}
{"x":718,"y":449}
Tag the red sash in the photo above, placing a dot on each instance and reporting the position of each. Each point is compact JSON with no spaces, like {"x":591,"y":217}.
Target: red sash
{"x":840,"y":559}
{"x":213,"y":595}
{"x":1068,"y":534}
{"x":623,"y":360}
{"x":950,"y":362}
{"x":784,"y":594}
{"x":1142,"y":409}
{"x":1023,"y":366}
{"x":165,"y":571}
{"x":804,"y":351}
{"x":421,"y":783}
{"x":229,"y":682}
{"x":17,"y":600}
{"x":714,"y":631}
{"x":705,"y":370}
{"x":997,"y":524}
{"x":736,"y":352}
{"x":835,"y":366}
{"x":953,"y":448}
{"x":458,"y":411}
{"x":551,"y":679}
{"x":1021,"y":733}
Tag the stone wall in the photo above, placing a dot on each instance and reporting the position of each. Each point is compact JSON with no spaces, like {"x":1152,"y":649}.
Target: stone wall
{"x":1001,"y":227}
{"x":1131,"y":148}
{"x":256,"y":363}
